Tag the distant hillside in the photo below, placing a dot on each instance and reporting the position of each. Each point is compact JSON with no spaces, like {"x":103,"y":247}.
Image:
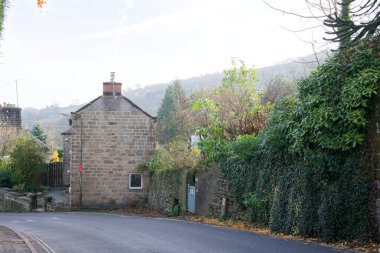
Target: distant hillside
{"x":149,"y":98}
{"x":55,"y":119}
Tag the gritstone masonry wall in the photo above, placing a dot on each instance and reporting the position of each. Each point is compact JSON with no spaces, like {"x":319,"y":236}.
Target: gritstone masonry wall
{"x":111,"y":137}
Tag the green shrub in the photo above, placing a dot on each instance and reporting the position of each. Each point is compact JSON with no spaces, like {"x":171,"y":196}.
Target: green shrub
{"x":176,"y":209}
{"x":5,"y":178}
{"x":28,"y":159}
{"x":19,"y":187}
{"x":160,"y":160}
{"x":178,"y":155}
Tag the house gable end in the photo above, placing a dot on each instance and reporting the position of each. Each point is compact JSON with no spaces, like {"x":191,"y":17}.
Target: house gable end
{"x":112,"y":103}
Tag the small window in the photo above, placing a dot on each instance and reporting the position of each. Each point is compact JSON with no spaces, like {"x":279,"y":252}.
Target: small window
{"x":135,"y":181}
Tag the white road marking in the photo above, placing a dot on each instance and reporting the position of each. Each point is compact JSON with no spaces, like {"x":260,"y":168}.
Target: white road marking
{"x":22,"y":221}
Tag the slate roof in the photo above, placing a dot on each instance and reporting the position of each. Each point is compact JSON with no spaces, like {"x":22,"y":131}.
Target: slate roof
{"x":121,"y":96}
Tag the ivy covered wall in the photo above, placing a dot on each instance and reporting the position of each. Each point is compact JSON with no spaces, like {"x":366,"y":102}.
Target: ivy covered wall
{"x":374,"y":151}
{"x":308,"y":172}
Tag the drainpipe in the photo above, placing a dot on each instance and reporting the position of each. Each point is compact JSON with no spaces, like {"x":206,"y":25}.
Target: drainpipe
{"x":81,"y":164}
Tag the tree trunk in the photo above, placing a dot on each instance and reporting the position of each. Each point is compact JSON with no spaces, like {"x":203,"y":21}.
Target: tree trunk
{"x":345,"y":15}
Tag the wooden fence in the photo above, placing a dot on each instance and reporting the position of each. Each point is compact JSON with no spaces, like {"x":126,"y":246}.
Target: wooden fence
{"x":53,"y":174}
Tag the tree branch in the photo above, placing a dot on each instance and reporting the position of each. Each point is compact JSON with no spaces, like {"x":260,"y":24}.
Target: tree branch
{"x":292,"y":13}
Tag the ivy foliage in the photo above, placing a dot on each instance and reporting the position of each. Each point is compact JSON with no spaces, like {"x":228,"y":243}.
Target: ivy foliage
{"x":334,"y":100}
{"x":305,"y":173}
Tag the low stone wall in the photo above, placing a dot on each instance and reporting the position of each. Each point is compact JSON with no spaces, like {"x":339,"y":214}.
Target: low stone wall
{"x":213,"y":195}
{"x":165,"y":189}
{"x":58,"y":207}
{"x":11,"y":201}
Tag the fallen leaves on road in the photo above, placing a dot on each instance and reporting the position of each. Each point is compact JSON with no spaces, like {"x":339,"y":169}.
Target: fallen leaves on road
{"x":140,"y":212}
{"x":244,"y":226}
{"x":133,"y":212}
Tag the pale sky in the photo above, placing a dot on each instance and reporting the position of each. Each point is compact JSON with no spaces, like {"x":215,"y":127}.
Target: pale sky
{"x":63,"y":52}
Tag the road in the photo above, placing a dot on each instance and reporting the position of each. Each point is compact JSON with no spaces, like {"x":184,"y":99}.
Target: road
{"x":90,"y":232}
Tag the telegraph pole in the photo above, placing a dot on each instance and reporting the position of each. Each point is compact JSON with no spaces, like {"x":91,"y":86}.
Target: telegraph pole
{"x":17,"y":93}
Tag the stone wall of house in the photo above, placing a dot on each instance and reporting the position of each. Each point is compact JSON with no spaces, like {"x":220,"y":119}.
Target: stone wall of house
{"x":111,"y":138}
{"x":11,"y":201}
{"x":10,"y":115}
{"x":166,"y":190}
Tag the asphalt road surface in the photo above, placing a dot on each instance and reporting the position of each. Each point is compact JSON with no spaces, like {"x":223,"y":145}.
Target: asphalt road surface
{"x":88,"y":232}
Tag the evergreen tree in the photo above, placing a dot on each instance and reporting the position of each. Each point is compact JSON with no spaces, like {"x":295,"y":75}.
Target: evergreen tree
{"x":38,"y":132}
{"x":356,"y":20}
{"x":169,"y":125}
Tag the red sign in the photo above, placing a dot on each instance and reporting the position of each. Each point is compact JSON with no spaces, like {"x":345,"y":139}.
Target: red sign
{"x":80,"y":168}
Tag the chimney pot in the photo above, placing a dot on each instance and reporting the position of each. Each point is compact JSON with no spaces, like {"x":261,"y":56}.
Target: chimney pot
{"x":112,"y":88}
{"x":112,"y":77}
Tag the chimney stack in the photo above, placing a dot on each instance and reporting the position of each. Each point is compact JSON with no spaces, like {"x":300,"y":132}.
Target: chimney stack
{"x":112,"y":88}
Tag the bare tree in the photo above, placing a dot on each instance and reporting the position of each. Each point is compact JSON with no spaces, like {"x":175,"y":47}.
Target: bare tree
{"x":7,"y":134}
{"x":276,"y":88}
{"x":345,"y":21}
{"x":311,"y":24}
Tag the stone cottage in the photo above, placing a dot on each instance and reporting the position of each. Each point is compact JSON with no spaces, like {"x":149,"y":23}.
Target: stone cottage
{"x":10,"y":115}
{"x":109,"y":139}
